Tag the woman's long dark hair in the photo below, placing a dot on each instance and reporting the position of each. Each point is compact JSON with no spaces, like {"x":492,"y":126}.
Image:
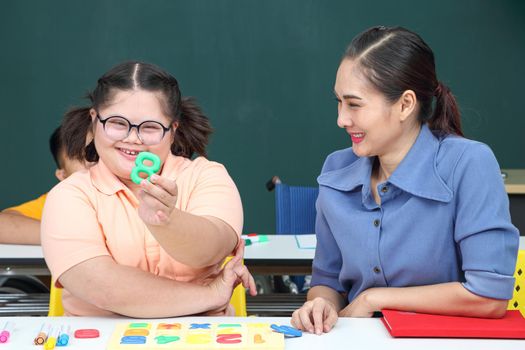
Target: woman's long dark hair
{"x":395,"y":60}
{"x":192,"y":133}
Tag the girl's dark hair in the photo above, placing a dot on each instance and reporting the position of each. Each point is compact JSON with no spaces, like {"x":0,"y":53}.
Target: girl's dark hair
{"x":192,"y":133}
{"x":55,"y":146}
{"x":395,"y":60}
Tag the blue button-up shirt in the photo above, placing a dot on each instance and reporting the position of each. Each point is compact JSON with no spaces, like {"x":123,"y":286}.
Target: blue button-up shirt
{"x":444,"y":216}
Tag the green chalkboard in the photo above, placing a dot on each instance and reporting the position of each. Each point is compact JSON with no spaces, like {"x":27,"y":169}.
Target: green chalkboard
{"x":262,"y":70}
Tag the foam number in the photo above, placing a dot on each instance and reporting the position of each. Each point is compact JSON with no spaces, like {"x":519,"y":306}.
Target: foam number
{"x":200,"y":326}
{"x":198,"y":338}
{"x":289,"y":332}
{"x":166,"y":339}
{"x":229,"y":325}
{"x":136,"y":331}
{"x":165,"y":326}
{"x":141,"y":168}
{"x":139,"y":325}
{"x":258,"y":339}
{"x":133,"y":339}
{"x":257,"y":326}
{"x":227,"y":330}
{"x":229,"y":338}
{"x":168,"y":329}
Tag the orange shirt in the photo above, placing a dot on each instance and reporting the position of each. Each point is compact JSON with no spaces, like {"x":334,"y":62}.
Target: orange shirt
{"x":32,"y":209}
{"x":92,"y":213}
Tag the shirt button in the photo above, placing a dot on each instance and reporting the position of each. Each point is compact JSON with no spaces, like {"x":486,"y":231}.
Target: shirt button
{"x":376,"y":222}
{"x":384,"y":189}
{"x":377,"y":269}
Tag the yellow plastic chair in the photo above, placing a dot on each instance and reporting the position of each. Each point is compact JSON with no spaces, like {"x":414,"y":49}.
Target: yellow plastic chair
{"x":518,"y":298}
{"x":55,"y":301}
{"x":238,"y":300}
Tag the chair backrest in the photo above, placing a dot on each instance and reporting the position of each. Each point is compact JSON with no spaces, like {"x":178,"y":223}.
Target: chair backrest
{"x":238,"y":301}
{"x":295,"y":209}
{"x":518,"y":298}
{"x":55,"y":301}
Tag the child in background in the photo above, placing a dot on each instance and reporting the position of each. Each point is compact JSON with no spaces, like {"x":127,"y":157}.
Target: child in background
{"x":21,"y":224}
{"x":152,"y":249}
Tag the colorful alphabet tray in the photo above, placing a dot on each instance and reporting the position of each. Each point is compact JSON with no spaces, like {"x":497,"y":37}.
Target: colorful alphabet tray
{"x":189,"y":336}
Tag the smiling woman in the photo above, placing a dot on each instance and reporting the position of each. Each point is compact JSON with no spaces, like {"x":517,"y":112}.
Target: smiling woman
{"x":412,"y":212}
{"x":140,"y":246}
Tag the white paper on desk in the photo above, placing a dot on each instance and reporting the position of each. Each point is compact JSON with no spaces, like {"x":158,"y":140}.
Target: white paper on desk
{"x":306,"y":241}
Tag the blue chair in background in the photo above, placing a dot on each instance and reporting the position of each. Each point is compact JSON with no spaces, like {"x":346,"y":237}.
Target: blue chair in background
{"x":294,"y":214}
{"x":295,"y":209}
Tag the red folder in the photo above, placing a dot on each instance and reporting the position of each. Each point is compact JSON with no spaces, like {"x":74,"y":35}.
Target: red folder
{"x":410,"y":324}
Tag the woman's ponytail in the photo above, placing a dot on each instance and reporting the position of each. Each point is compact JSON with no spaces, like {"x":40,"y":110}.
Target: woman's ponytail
{"x":192,"y":134}
{"x":446,"y":118}
{"x":74,"y":131}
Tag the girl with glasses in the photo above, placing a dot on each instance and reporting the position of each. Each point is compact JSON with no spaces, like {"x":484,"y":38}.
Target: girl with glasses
{"x":414,"y":216}
{"x":152,"y":249}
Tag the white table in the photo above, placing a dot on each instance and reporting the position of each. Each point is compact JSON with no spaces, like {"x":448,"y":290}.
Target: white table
{"x":349,"y":333}
{"x":281,"y":255}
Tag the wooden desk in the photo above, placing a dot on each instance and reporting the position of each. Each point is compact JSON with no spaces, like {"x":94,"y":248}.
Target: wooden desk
{"x":349,"y":333}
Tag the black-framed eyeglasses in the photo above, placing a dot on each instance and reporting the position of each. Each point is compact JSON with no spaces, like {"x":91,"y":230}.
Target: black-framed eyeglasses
{"x":118,"y":128}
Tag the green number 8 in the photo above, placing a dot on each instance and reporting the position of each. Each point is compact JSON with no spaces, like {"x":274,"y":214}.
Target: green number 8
{"x":140,"y":167}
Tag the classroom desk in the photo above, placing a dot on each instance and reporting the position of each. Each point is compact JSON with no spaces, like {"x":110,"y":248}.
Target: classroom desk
{"x":514,"y":180}
{"x":349,"y":333}
{"x":22,"y":260}
{"x":281,"y":255}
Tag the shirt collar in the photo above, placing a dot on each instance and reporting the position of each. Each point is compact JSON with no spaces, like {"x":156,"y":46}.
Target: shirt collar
{"x":104,"y":180}
{"x":349,"y":177}
{"x":416,"y":174}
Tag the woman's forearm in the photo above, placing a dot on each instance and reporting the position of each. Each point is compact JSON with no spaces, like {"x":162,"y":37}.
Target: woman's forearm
{"x":131,"y":292}
{"x":445,"y":299}
{"x":197,"y":241}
